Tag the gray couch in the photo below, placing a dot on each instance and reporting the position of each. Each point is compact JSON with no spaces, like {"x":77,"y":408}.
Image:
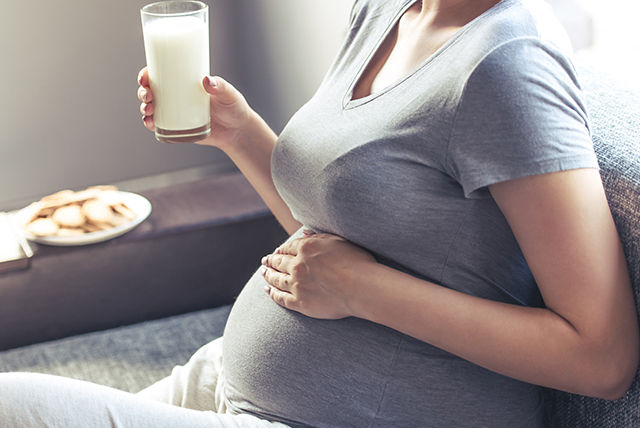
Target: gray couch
{"x":133,"y":356}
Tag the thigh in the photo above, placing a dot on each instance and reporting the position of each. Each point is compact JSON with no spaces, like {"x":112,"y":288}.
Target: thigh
{"x":36,"y":400}
{"x":197,"y":385}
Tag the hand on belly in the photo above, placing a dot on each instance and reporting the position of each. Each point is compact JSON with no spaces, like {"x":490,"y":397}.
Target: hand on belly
{"x":314,"y":275}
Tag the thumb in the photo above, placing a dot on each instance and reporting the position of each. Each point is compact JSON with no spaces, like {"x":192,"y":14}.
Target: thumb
{"x":221,"y":90}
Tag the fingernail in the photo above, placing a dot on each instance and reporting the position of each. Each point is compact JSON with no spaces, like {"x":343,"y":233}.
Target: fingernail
{"x":211,"y":81}
{"x":267,"y":288}
{"x":308,"y":232}
{"x":143,"y":93}
{"x":263,"y":270}
{"x":140,"y":78}
{"x":264,"y":260}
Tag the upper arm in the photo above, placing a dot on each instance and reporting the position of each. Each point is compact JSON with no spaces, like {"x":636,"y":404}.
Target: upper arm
{"x":564,"y":227}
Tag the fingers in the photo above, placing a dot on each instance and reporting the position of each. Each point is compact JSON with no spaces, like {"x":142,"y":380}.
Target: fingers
{"x":295,"y":246}
{"x":146,"y":109}
{"x":143,"y":77}
{"x":291,"y":247}
{"x":278,"y":287}
{"x":280,"y":262}
{"x":144,"y":94}
{"x":279,"y":280}
{"x":148,"y":123}
{"x":282,"y":298}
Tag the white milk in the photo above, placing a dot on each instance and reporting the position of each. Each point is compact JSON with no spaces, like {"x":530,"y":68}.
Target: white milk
{"x":177,"y":51}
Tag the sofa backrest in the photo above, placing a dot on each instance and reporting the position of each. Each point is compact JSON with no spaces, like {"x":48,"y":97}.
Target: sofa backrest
{"x":615,"y":125}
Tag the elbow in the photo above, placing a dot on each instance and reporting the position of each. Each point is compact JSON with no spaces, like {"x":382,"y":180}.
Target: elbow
{"x":616,"y":377}
{"x":617,"y":384}
{"x":614,"y":390}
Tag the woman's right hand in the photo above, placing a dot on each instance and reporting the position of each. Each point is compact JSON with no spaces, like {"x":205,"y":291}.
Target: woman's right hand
{"x":230,"y":112}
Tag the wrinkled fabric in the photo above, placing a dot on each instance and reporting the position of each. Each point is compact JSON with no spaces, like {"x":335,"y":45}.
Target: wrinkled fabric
{"x":190,"y":397}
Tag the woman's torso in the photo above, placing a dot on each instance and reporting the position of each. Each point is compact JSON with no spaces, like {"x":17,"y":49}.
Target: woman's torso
{"x":374,"y":171}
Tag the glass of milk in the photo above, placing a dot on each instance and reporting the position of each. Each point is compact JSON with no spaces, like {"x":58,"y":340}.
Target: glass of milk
{"x":176,"y":42}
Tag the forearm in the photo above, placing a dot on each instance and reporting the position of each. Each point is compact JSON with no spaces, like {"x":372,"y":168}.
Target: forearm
{"x":534,"y":345}
{"x":252,"y":156}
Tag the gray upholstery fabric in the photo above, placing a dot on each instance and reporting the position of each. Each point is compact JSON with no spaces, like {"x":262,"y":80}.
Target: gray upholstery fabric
{"x":615,"y":119}
{"x":128,"y":358}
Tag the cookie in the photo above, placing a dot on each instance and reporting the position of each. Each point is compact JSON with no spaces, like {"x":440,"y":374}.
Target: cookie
{"x":97,"y":212}
{"x":119,"y":219}
{"x":110,"y":197}
{"x":69,"y":213}
{"x":42,"y":227}
{"x":62,"y":195}
{"x":67,"y":199}
{"x":69,"y":216}
{"x":45,"y":212}
{"x":103,"y":187}
{"x":90,"y":227}
{"x":103,"y":226}
{"x":125,"y":211}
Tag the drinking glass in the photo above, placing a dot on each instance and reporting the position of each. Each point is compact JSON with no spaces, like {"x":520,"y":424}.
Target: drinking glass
{"x":176,"y":42}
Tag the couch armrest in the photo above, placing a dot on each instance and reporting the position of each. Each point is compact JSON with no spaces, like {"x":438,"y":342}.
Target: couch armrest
{"x":201,"y":243}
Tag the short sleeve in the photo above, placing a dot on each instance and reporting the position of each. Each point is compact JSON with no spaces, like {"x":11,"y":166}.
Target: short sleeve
{"x":520,"y":114}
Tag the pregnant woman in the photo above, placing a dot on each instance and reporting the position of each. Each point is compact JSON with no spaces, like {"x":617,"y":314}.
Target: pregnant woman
{"x":451,"y":245}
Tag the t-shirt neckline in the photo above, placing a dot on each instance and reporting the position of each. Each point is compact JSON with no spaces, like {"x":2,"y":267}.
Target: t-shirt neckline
{"x":348,"y":102}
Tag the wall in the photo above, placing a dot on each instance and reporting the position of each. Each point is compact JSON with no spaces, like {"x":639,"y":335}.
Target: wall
{"x":68,"y":108}
{"x":576,"y":20}
{"x":287,"y":47}
{"x":616,"y":40}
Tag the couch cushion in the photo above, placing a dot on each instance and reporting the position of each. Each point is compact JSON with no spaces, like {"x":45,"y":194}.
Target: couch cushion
{"x":129,"y":358}
{"x":615,"y":123}
{"x":201,"y":243}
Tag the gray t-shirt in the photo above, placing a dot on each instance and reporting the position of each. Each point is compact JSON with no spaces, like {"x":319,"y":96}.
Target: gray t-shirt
{"x":404,"y":173}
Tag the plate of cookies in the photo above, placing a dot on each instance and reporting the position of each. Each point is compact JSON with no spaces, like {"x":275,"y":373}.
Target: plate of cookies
{"x":95,"y":214}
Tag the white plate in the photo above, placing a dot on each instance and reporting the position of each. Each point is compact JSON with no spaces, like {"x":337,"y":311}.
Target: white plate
{"x":137,"y":203}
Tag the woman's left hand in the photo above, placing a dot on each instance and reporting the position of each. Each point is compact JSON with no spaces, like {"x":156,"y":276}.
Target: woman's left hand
{"x":316,"y":275}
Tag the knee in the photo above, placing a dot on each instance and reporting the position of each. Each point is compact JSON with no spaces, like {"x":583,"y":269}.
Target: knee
{"x":17,"y":397}
{"x":32,"y":399}
{"x":13,"y":385}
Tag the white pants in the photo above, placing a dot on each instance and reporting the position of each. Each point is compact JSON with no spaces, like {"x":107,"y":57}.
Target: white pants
{"x":192,"y":396}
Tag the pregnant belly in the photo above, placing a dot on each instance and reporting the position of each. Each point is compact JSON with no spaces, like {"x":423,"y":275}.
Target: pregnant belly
{"x":284,"y":366}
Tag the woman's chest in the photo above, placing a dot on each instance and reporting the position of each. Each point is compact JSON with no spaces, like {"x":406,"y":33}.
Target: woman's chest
{"x":378,"y":166}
